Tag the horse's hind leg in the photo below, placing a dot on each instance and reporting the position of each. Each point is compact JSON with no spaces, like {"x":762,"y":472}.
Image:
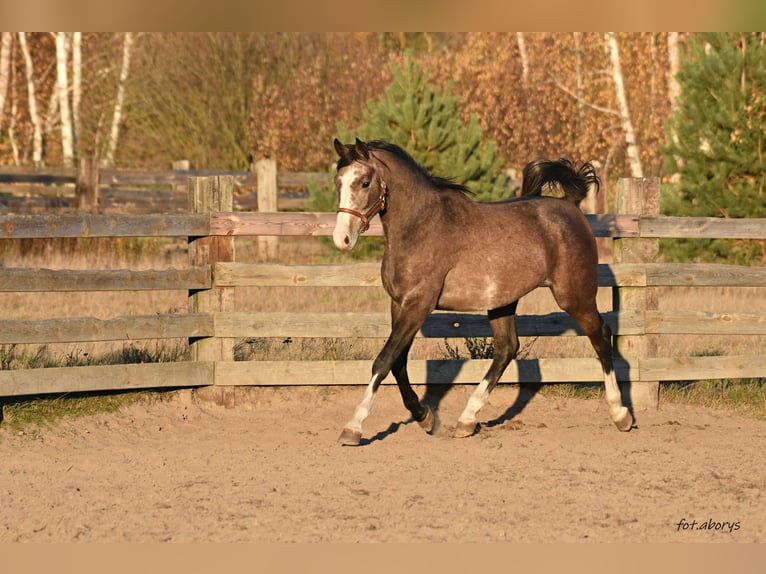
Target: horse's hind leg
{"x":506,"y":346}
{"x":600,"y":336}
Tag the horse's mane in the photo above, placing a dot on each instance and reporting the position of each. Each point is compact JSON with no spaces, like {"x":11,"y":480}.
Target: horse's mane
{"x":442,"y":183}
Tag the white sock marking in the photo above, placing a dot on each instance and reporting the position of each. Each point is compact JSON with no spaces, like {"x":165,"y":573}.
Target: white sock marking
{"x":475,"y":402}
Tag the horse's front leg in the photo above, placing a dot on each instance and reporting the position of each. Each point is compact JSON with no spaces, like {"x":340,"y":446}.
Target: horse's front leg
{"x":352,"y":432}
{"x":393,"y":356}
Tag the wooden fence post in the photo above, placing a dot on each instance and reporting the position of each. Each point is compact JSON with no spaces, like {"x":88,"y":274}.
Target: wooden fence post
{"x":638,"y":196}
{"x":86,"y":185}
{"x":266,"y":176}
{"x":207,"y":195}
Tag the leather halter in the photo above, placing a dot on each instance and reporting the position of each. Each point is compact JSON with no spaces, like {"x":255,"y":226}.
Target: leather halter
{"x":377,"y":207}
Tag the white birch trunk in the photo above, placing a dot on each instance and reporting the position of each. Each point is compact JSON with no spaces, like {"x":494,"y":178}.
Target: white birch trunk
{"x":127,"y":48}
{"x":674,"y":90}
{"x":524,"y":58}
{"x":5,"y":71}
{"x":52,"y":113}
{"x":579,"y":82}
{"x":76,"y":81}
{"x":34,"y":116}
{"x":12,"y":116}
{"x":674,"y":65}
{"x":62,"y":87}
{"x":634,"y":157}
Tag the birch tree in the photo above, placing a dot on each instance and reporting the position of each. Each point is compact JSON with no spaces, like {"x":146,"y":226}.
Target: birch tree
{"x":76,"y":82}
{"x":127,"y":49}
{"x":34,"y":116}
{"x":674,"y":91}
{"x":5,"y":71}
{"x":62,"y":89}
{"x":634,"y":157}
{"x":524,"y":58}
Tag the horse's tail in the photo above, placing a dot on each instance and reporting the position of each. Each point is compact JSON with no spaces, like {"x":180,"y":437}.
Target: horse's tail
{"x":573,"y":181}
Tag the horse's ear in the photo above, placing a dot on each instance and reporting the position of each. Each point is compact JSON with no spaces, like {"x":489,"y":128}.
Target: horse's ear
{"x":340,"y":148}
{"x":361,"y":149}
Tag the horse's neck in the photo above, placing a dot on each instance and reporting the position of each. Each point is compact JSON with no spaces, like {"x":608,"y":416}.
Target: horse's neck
{"x":409,"y":202}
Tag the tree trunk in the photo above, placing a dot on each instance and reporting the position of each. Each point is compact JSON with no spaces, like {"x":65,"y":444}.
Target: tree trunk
{"x":634,"y":157}
{"x":5,"y":71}
{"x":579,"y":82}
{"x":524,"y":58}
{"x":127,"y":48}
{"x":76,"y":81}
{"x":674,"y":90}
{"x":62,"y":87}
{"x":34,"y":116}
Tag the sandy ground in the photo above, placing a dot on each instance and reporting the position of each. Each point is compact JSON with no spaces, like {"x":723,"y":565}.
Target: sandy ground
{"x":269,"y":469}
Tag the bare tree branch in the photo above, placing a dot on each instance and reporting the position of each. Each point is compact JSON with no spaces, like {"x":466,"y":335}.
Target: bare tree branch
{"x":580,"y":99}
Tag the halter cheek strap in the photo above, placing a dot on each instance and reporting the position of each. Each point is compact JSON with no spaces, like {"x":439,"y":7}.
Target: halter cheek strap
{"x":377,"y":207}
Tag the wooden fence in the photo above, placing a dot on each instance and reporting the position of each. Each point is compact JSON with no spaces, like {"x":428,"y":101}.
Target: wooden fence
{"x":212,"y":323}
{"x":90,"y":188}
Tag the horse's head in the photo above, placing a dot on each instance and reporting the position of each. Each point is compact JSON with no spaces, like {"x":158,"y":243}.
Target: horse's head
{"x":361,"y":192}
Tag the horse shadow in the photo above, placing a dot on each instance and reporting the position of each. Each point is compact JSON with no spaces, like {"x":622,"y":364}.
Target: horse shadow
{"x":381,"y":435}
{"x":441,"y":377}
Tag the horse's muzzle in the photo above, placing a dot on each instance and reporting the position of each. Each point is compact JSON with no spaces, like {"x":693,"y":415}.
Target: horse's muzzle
{"x":346,"y":232}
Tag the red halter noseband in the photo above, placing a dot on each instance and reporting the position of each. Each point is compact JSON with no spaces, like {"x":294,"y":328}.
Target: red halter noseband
{"x":377,"y":207}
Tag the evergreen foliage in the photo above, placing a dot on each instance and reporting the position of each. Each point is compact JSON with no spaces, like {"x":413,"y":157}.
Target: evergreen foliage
{"x":425,"y":121}
{"x":718,"y":147}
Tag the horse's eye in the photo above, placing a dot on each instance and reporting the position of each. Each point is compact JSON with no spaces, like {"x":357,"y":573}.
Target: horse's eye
{"x":365,"y":184}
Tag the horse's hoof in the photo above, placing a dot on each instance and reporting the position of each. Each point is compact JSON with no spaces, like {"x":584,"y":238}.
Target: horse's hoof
{"x":464,"y":430}
{"x":624,"y":420}
{"x":350,"y":437}
{"x":429,"y":422}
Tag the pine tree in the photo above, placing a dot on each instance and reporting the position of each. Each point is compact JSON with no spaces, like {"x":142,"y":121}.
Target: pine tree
{"x":719,"y":146}
{"x":425,"y":120}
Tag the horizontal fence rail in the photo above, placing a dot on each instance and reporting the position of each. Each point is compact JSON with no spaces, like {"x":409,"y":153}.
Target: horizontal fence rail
{"x":213,"y":324}
{"x":322,"y":224}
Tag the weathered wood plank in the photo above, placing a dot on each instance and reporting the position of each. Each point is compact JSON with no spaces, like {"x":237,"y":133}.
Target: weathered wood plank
{"x":427,"y":372}
{"x":105,"y":378}
{"x":702,"y":227}
{"x":622,"y":275}
{"x":280,"y":223}
{"x":701,"y":323}
{"x":26,"y":280}
{"x":90,"y":329}
{"x":322,"y":224}
{"x":703,"y":368}
{"x":43,"y":175}
{"x":123,"y":176}
{"x":281,"y":275}
{"x":704,"y":274}
{"x":610,"y":225}
{"x":378,"y":325}
{"x":365,"y":275}
{"x":90,"y":225}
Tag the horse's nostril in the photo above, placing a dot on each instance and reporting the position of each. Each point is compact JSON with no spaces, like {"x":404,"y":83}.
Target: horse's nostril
{"x":346,"y":240}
